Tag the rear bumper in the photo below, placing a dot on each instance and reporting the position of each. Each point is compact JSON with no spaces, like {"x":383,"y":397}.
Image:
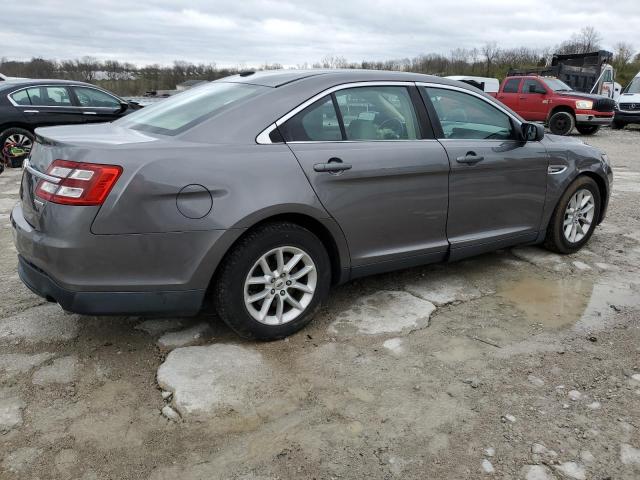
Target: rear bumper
{"x":593,"y":119}
{"x":134,"y":274}
{"x":39,"y":282}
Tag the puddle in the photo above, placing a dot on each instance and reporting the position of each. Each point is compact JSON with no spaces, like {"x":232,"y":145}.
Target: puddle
{"x":586,"y":303}
{"x":552,"y":303}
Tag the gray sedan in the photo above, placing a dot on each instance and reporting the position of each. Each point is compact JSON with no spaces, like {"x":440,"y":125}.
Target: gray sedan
{"x":254,"y":194}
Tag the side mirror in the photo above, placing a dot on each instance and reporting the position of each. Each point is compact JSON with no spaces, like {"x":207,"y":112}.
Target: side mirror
{"x":532,"y":132}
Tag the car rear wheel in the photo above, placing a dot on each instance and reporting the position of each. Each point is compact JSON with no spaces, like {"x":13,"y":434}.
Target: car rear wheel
{"x":16,"y":144}
{"x":561,"y":123}
{"x":273,"y":281}
{"x":587,"y":129}
{"x":575,"y":217}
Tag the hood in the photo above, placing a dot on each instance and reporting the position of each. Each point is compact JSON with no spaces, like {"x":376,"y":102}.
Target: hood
{"x":551,"y":139}
{"x":97,"y":134}
{"x":629,"y":98}
{"x":588,"y":96}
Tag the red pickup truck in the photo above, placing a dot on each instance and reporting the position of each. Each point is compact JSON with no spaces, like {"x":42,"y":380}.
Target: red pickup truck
{"x":549,"y":100}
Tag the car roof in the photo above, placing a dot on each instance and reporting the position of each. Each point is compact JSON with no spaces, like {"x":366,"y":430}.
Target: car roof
{"x":17,"y":84}
{"x":278,"y":78}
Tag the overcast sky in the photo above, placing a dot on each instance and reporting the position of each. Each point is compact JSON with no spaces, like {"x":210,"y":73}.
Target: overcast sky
{"x":252,"y":32}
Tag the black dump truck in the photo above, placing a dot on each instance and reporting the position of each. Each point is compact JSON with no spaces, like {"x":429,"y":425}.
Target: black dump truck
{"x":584,"y":72}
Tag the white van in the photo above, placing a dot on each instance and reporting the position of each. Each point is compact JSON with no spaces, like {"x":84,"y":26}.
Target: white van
{"x":487,"y":84}
{"x":628,"y":110}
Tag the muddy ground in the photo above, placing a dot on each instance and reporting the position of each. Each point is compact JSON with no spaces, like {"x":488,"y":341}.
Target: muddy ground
{"x":517,"y":364}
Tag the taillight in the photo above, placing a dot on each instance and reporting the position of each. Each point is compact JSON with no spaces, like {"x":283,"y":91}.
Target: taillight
{"x":79,"y":183}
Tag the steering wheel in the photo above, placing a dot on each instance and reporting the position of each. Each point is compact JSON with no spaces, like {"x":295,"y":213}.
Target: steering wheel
{"x":398,"y":131}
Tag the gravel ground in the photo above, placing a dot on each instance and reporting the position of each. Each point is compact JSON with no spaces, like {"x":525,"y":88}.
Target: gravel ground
{"x":519,"y":364}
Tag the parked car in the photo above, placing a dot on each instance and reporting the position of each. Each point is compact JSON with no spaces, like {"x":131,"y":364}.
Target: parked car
{"x":549,"y":100}
{"x":28,"y":104}
{"x":628,"y":109}
{"x":257,"y":192}
{"x":486,"y":84}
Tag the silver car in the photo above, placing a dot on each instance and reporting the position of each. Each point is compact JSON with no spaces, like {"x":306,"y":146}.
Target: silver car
{"x":257,"y":192}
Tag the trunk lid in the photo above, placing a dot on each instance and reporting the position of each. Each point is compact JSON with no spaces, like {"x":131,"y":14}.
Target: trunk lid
{"x":67,"y":143}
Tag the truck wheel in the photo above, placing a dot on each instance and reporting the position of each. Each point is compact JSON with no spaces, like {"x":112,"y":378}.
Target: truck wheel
{"x":561,"y":123}
{"x":273,"y":281}
{"x":16,"y":145}
{"x":618,"y":125}
{"x":575,"y":217}
{"x":587,"y":129}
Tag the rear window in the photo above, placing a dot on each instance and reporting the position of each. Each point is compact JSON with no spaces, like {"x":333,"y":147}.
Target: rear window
{"x":186,"y":110}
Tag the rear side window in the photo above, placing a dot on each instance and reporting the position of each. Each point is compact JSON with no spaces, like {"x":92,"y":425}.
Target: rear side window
{"x":90,"y":97}
{"x":21,"y":97}
{"x":43,"y":97}
{"x":378,"y":113}
{"x":464,"y":116}
{"x":511,"y":85}
{"x":186,"y":110}
{"x":316,"y":123}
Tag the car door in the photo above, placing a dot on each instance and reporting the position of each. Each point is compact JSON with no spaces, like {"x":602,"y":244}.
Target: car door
{"x":97,"y":106}
{"x":497,"y":184}
{"x":509,"y":93}
{"x":45,"y":105}
{"x":533,"y":100}
{"x":372,"y":160}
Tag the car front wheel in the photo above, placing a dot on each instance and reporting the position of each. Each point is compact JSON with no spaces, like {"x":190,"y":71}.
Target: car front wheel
{"x":561,"y":123}
{"x":273,"y":281}
{"x":575,"y":217}
{"x":618,"y":125}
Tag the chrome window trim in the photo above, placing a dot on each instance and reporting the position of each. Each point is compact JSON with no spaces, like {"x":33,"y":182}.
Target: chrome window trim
{"x":469,"y":92}
{"x":260,"y":139}
{"x":63,"y":85}
{"x":361,"y":141}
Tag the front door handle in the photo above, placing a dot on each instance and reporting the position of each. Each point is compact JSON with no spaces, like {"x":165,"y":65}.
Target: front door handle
{"x":470,"y":158}
{"x":334,"y":165}
{"x":89,"y":113}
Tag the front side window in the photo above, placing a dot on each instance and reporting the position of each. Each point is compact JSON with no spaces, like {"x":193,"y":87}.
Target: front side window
{"x":464,"y":116}
{"x":316,"y":123}
{"x":511,"y":85}
{"x":532,"y":86}
{"x":378,"y":113}
{"x":90,"y":97}
{"x":186,"y":110}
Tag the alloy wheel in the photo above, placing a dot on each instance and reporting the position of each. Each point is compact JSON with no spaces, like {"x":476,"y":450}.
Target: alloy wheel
{"x":17,"y":146}
{"x":578,"y":215}
{"x":280,"y":285}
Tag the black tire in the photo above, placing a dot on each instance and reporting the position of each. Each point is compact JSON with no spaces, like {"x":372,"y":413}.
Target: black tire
{"x":562,"y":123}
{"x":555,"y":239}
{"x":11,"y":160}
{"x":587,"y":129}
{"x":617,"y":125}
{"x":228,"y":289}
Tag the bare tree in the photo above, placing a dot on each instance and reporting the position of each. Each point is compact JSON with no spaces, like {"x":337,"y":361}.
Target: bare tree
{"x":623,"y":53}
{"x":490,"y":51}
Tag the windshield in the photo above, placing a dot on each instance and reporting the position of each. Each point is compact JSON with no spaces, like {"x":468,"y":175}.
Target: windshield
{"x":557,"y":85}
{"x":634,"y":86}
{"x":185,"y":110}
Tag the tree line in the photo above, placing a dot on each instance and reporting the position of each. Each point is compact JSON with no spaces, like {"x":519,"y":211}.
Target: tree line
{"x":488,"y":60}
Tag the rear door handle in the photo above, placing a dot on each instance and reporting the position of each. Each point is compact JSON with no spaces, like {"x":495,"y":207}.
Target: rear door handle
{"x":32,"y":111}
{"x":89,"y":113}
{"x":334,"y":165}
{"x":470,"y":158}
